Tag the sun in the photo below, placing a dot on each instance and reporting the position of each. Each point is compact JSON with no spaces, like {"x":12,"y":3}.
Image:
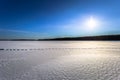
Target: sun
{"x":91,"y":23}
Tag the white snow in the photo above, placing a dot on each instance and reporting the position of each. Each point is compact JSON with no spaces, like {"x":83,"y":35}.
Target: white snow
{"x":60,"y":60}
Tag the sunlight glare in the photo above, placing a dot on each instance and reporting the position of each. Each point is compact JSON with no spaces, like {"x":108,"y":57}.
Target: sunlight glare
{"x":91,"y":23}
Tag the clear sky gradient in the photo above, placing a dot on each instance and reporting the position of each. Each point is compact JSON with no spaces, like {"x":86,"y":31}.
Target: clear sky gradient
{"x":57,"y":18}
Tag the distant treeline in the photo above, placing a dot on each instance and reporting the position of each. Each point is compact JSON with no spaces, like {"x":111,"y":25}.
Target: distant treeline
{"x":103,"y":37}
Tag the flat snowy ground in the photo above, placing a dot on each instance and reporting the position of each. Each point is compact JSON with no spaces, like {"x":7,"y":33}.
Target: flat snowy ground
{"x":55,"y":60}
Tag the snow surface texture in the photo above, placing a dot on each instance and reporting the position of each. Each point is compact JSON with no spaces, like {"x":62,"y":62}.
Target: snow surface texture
{"x":55,"y":60}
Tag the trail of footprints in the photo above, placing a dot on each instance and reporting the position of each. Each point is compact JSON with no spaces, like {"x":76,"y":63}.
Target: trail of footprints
{"x":37,"y":49}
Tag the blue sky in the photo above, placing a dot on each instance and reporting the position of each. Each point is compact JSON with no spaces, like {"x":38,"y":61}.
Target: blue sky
{"x":57,"y":18}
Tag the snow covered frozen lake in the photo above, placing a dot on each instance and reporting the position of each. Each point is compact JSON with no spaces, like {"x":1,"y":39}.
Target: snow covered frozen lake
{"x":59,"y":60}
